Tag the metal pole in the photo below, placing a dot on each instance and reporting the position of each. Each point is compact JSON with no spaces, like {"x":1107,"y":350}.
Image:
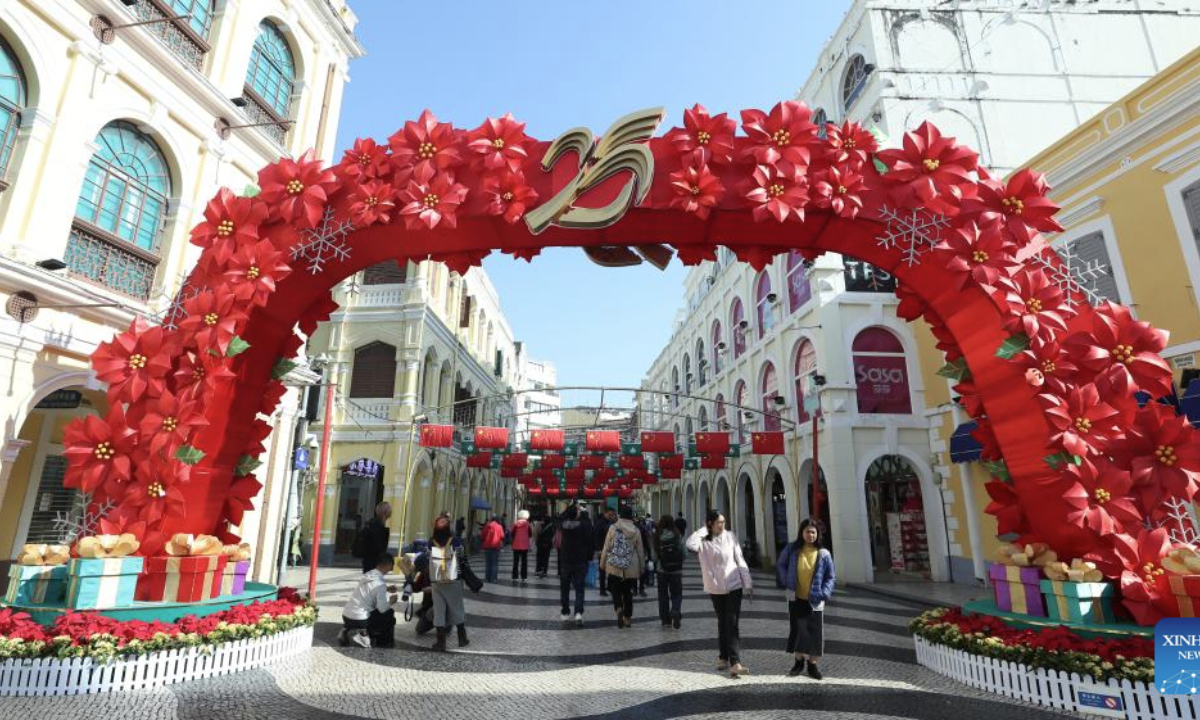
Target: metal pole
{"x":326,"y":434}
{"x":816,"y":474}
{"x":408,"y":463}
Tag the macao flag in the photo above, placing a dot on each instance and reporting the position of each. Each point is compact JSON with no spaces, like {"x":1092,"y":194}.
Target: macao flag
{"x":546,"y":440}
{"x":491,"y":438}
{"x":712,"y":462}
{"x":603,"y":441}
{"x":437,"y":436}
{"x":712,"y":442}
{"x":658,"y":442}
{"x":766,"y":443}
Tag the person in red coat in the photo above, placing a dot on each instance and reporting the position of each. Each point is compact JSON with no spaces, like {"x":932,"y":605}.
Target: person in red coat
{"x":522,"y":537}
{"x":492,"y":538}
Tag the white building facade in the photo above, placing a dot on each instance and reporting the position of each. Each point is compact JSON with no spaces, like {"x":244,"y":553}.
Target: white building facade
{"x":537,"y":403}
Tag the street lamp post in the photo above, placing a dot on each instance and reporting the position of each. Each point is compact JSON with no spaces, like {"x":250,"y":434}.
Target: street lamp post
{"x":408,"y":462}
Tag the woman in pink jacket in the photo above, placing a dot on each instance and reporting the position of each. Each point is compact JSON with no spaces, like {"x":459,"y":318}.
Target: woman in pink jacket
{"x":522,"y":533}
{"x":726,"y":579}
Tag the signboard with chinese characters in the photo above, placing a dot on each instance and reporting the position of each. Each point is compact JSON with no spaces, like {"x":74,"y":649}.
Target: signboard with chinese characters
{"x":865,"y":277}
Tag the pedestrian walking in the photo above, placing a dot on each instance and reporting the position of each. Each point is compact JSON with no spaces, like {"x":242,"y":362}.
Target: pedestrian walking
{"x":372,"y":538}
{"x":603,"y":523}
{"x":522,"y":535}
{"x":806,"y":570}
{"x":574,"y":553}
{"x":369,"y":616}
{"x":622,"y":559}
{"x":681,"y":524}
{"x":668,"y":553}
{"x":492,"y":540}
{"x":545,"y":543}
{"x":726,"y":580}
{"x":447,"y":566}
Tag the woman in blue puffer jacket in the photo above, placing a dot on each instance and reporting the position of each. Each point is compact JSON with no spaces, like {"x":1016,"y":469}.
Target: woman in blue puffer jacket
{"x":806,"y":569}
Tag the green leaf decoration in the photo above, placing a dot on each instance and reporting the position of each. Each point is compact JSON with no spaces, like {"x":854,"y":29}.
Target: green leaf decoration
{"x":998,"y":469}
{"x":189,"y":455}
{"x":283,"y":367}
{"x":251,"y":190}
{"x":237,"y":346}
{"x":956,"y":370}
{"x":246,"y":465}
{"x":1061,"y":458}
{"x":1013,"y":345}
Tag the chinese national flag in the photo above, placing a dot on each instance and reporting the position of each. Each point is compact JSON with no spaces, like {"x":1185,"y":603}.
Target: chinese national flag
{"x":551,"y":462}
{"x":650,"y":480}
{"x":713,"y":462}
{"x":479,"y":460}
{"x":516,"y":460}
{"x":546,"y":440}
{"x":591,"y":462}
{"x":437,"y":436}
{"x":658,"y":442}
{"x":633,"y":462}
{"x":603,"y":441}
{"x":766,"y":443}
{"x":488,"y":438}
{"x":712,"y":442}
{"x":510,"y":472}
{"x":574,"y":475}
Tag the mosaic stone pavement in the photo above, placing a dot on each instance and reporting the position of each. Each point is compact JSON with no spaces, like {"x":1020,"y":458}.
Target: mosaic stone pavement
{"x":522,"y":662}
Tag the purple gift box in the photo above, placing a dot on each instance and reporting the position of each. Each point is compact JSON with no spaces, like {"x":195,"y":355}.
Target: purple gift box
{"x":234,"y":580}
{"x":1018,"y":589}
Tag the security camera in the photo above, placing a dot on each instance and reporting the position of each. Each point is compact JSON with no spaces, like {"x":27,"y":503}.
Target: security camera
{"x":721,"y":347}
{"x":779,"y":401}
{"x":748,"y":415}
{"x":311,"y":441}
{"x":743,"y":324}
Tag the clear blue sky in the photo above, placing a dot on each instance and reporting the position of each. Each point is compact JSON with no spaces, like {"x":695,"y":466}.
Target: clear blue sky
{"x":557,"y":65}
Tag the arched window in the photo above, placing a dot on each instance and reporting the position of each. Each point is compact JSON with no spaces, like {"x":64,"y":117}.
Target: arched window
{"x":719,"y":415}
{"x":737,"y":314}
{"x":819,"y":118}
{"x":798,"y":287}
{"x":703,"y":419}
{"x":855,"y":80}
{"x":770,"y":390}
{"x":805,"y":365}
{"x":687,"y":374}
{"x":272,"y":74}
{"x":688,"y":429}
{"x":718,"y":346}
{"x":764,"y":307}
{"x":701,"y":364}
{"x":679,"y":437}
{"x":199,"y":14}
{"x":388,"y":272}
{"x":674,"y":387}
{"x":374,"y":371}
{"x":880,"y":372}
{"x":741,"y":399}
{"x":12,"y":101}
{"x":126,"y":187}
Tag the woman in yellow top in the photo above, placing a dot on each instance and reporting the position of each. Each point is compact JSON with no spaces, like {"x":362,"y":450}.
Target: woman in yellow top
{"x":806,"y":569}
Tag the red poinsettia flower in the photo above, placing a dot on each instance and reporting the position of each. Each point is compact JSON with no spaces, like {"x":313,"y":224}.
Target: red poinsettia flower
{"x":136,"y":362}
{"x":229,"y":223}
{"x":777,"y":192}
{"x":297,"y":190}
{"x":499,"y":143}
{"x":711,"y":135}
{"x":784,"y":135}
{"x":98,"y":452}
{"x":1100,"y":498}
{"x":1054,"y":366}
{"x":1162,"y":451}
{"x":366,"y":159}
{"x":201,"y":373}
{"x":1005,"y":508}
{"x":968,"y":397}
{"x":212,"y":320}
{"x":371,"y":202}
{"x":1082,"y":423}
{"x":840,"y":189}
{"x":156,"y":492}
{"x":975,"y":254}
{"x":507,"y":194}
{"x":168,"y":422}
{"x":1035,"y":305}
{"x":121,"y":520}
{"x":1140,"y":564}
{"x":986,"y":436}
{"x":1120,"y":351}
{"x":932,"y":168}
{"x":253,"y":272}
{"x":426,"y":145}
{"x":697,"y":189}
{"x":1020,"y":205}
{"x":242,"y":492}
{"x":912,"y":305}
{"x":850,"y":143}
{"x":431,"y":198}
{"x":271,"y":397}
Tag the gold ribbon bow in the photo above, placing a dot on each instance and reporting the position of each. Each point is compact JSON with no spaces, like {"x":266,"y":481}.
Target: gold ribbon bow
{"x":1032,"y":555}
{"x":185,"y":545}
{"x":236,"y":553}
{"x":1078,"y":571}
{"x":42,"y":554}
{"x":107,"y":546}
{"x":1182,"y":561}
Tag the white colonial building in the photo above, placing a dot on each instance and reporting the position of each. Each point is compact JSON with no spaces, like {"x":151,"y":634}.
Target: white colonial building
{"x":537,"y":403}
{"x":120,"y":121}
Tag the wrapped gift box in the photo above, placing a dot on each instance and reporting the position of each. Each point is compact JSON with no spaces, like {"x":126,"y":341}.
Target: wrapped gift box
{"x":1079,"y":602}
{"x":44,"y":585}
{"x":101,"y":583}
{"x":1180,"y":594}
{"x":181,"y":579}
{"x":233,"y":580}
{"x":1018,"y":589}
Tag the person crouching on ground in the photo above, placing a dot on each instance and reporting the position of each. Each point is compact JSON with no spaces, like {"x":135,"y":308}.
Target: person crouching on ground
{"x":623,"y":560}
{"x":726,"y":579}
{"x":806,"y":570}
{"x":445,"y":578}
{"x":369,"y":616}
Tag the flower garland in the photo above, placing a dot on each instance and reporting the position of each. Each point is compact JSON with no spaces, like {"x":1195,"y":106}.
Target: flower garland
{"x":1055,"y":648}
{"x":101,"y":638}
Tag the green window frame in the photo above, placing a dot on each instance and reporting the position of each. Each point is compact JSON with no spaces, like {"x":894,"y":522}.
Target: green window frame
{"x":199,"y":14}
{"x":12,"y":103}
{"x":272,"y":73}
{"x":126,"y":187}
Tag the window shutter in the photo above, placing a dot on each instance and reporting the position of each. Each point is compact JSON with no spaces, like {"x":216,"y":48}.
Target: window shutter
{"x":499,"y":371}
{"x":374,"y":373}
{"x":388,"y":272}
{"x":52,"y":499}
{"x":1191,"y":201}
{"x":1092,"y":248}
{"x":464,"y":316}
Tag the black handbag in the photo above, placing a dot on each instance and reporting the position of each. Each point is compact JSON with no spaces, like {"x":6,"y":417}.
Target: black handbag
{"x":468,"y":575}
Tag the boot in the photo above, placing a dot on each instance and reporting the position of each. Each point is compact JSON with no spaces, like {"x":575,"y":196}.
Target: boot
{"x":440,"y":644}
{"x":462,"y":636}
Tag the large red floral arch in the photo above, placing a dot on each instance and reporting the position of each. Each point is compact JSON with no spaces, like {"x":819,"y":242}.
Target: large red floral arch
{"x":1049,"y":378}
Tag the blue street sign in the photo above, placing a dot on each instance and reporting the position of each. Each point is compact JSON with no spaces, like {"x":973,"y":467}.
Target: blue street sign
{"x":301,"y":462}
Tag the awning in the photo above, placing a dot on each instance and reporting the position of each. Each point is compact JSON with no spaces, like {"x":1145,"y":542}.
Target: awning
{"x":1189,"y":404}
{"x":963,"y":447}
{"x":480,"y":504}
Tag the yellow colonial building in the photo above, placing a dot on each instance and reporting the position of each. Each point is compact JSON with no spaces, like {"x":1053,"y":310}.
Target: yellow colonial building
{"x":1128,"y":182}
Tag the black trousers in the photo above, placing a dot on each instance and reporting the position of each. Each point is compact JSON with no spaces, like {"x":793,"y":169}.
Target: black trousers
{"x":521,"y":560}
{"x":380,"y":627}
{"x":603,"y":583}
{"x":729,"y":612}
{"x":571,"y":576}
{"x":543,"y":560}
{"x":670,"y":595}
{"x":622,"y":590}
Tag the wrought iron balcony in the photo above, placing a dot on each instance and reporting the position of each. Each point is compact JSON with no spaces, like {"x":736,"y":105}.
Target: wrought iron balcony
{"x":258,"y":111}
{"x":177,"y":35}
{"x":97,"y":256}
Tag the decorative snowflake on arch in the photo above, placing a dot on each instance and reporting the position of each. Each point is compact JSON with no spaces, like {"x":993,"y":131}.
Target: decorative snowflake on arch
{"x":173,"y":313}
{"x":914,"y":232}
{"x":1075,"y":277}
{"x":324,"y":243}
{"x":1179,"y":520}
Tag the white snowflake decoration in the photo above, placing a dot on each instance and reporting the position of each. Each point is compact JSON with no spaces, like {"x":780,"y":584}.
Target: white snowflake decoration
{"x":79,"y":521}
{"x":1180,"y":522}
{"x":324,"y":243}
{"x":1074,"y":277}
{"x":914,"y":232}
{"x":173,"y":313}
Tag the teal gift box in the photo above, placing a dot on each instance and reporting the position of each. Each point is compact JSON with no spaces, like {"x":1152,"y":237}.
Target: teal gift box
{"x":36,"y":585}
{"x":1079,"y":602}
{"x":98,"y":584}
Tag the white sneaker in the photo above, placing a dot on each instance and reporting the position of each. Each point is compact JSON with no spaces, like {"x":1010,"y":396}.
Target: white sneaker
{"x":565,"y":617}
{"x":362,"y":639}
{"x":579,"y":618}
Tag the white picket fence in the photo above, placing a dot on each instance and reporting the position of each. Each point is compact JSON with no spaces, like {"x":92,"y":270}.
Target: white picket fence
{"x":1051,"y":687}
{"x":78,"y":676}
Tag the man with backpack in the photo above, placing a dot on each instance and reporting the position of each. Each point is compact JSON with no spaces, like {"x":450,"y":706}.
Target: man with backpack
{"x":668,"y":548}
{"x":623,"y":560}
{"x":372,"y":538}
